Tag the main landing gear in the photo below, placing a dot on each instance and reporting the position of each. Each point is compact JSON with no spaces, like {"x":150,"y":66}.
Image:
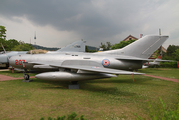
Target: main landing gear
{"x":74,"y":85}
{"x":74,"y":82}
{"x":26,"y":77}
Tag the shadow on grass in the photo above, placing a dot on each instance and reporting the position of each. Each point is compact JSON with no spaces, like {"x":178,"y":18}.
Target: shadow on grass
{"x":53,"y":84}
{"x":138,"y":81}
{"x":85,"y":85}
{"x":105,"y":90}
{"x":99,"y":87}
{"x":91,"y":84}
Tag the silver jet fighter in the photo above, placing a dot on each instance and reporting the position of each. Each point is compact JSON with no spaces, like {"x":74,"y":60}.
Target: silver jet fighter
{"x":76,"y":66}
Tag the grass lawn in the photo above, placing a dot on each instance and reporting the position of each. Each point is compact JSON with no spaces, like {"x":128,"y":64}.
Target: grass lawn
{"x":163,"y":72}
{"x":16,"y":74}
{"x":113,"y":98}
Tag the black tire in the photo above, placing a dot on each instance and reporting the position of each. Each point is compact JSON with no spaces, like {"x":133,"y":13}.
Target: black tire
{"x":26,"y":77}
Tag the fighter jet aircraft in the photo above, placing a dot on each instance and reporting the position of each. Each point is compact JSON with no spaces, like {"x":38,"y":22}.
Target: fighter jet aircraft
{"x":76,"y":66}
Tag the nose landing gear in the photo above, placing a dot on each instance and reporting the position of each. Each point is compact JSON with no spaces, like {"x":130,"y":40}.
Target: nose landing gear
{"x":26,"y":77}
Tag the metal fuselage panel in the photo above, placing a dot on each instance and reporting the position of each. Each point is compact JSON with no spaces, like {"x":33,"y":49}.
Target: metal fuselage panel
{"x":4,"y":57}
{"x":59,"y":59}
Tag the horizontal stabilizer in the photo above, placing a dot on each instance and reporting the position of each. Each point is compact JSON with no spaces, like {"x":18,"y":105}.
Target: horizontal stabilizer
{"x":159,"y":60}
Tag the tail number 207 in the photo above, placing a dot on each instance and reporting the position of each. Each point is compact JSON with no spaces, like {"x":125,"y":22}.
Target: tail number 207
{"x":19,"y":62}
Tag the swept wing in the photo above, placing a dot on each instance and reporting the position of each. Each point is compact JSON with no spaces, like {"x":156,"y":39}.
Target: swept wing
{"x":81,"y":68}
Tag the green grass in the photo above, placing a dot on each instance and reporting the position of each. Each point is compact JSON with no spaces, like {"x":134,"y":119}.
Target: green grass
{"x":163,"y":72}
{"x":16,"y":74}
{"x":114,"y":98}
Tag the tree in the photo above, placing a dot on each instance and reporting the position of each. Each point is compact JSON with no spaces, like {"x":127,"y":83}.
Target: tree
{"x":156,"y":54}
{"x":106,"y":46}
{"x":2,"y":32}
{"x":103,"y":46}
{"x":122,"y":44}
{"x":176,"y":54}
{"x":2,"y":36}
{"x":10,"y":44}
{"x":22,"y":47}
{"x":172,"y":52}
{"x":86,"y":49}
{"x":171,"y":49}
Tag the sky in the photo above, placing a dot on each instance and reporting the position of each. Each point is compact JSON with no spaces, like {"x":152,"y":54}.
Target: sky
{"x":58,"y":23}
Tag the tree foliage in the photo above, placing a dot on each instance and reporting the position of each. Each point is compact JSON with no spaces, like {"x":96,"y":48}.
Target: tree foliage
{"x":176,"y":54}
{"x":106,"y":46}
{"x":2,"y":36}
{"x":12,"y":44}
{"x":156,"y":54}
{"x":171,"y":49}
{"x":2,"y":33}
{"x":22,"y":47}
{"x":122,"y":44}
{"x":172,"y":53}
{"x":103,"y":46}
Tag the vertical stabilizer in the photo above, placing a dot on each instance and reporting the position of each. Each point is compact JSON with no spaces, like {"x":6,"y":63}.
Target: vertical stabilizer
{"x":142,"y":48}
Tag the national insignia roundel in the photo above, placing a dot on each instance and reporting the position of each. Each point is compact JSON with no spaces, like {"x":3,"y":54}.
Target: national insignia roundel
{"x":106,"y":62}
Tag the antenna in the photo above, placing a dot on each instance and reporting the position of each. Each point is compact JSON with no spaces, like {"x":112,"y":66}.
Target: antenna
{"x":159,"y":31}
{"x":161,"y":45}
{"x":35,"y":39}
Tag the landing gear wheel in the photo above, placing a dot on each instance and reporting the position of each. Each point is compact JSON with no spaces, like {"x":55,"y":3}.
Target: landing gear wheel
{"x":74,"y":85}
{"x":26,"y":76}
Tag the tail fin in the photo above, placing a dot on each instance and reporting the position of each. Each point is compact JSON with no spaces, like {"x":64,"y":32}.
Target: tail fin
{"x":142,"y":48}
{"x":78,"y":46}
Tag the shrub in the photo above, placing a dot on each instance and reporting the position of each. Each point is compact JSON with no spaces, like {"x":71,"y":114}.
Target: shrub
{"x":72,"y":116}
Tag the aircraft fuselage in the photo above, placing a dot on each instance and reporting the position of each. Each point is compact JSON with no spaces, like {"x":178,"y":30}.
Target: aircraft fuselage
{"x":26,"y":61}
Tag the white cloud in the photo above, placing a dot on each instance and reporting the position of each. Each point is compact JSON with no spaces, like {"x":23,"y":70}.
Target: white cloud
{"x":58,"y":23}
{"x":22,"y":29}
